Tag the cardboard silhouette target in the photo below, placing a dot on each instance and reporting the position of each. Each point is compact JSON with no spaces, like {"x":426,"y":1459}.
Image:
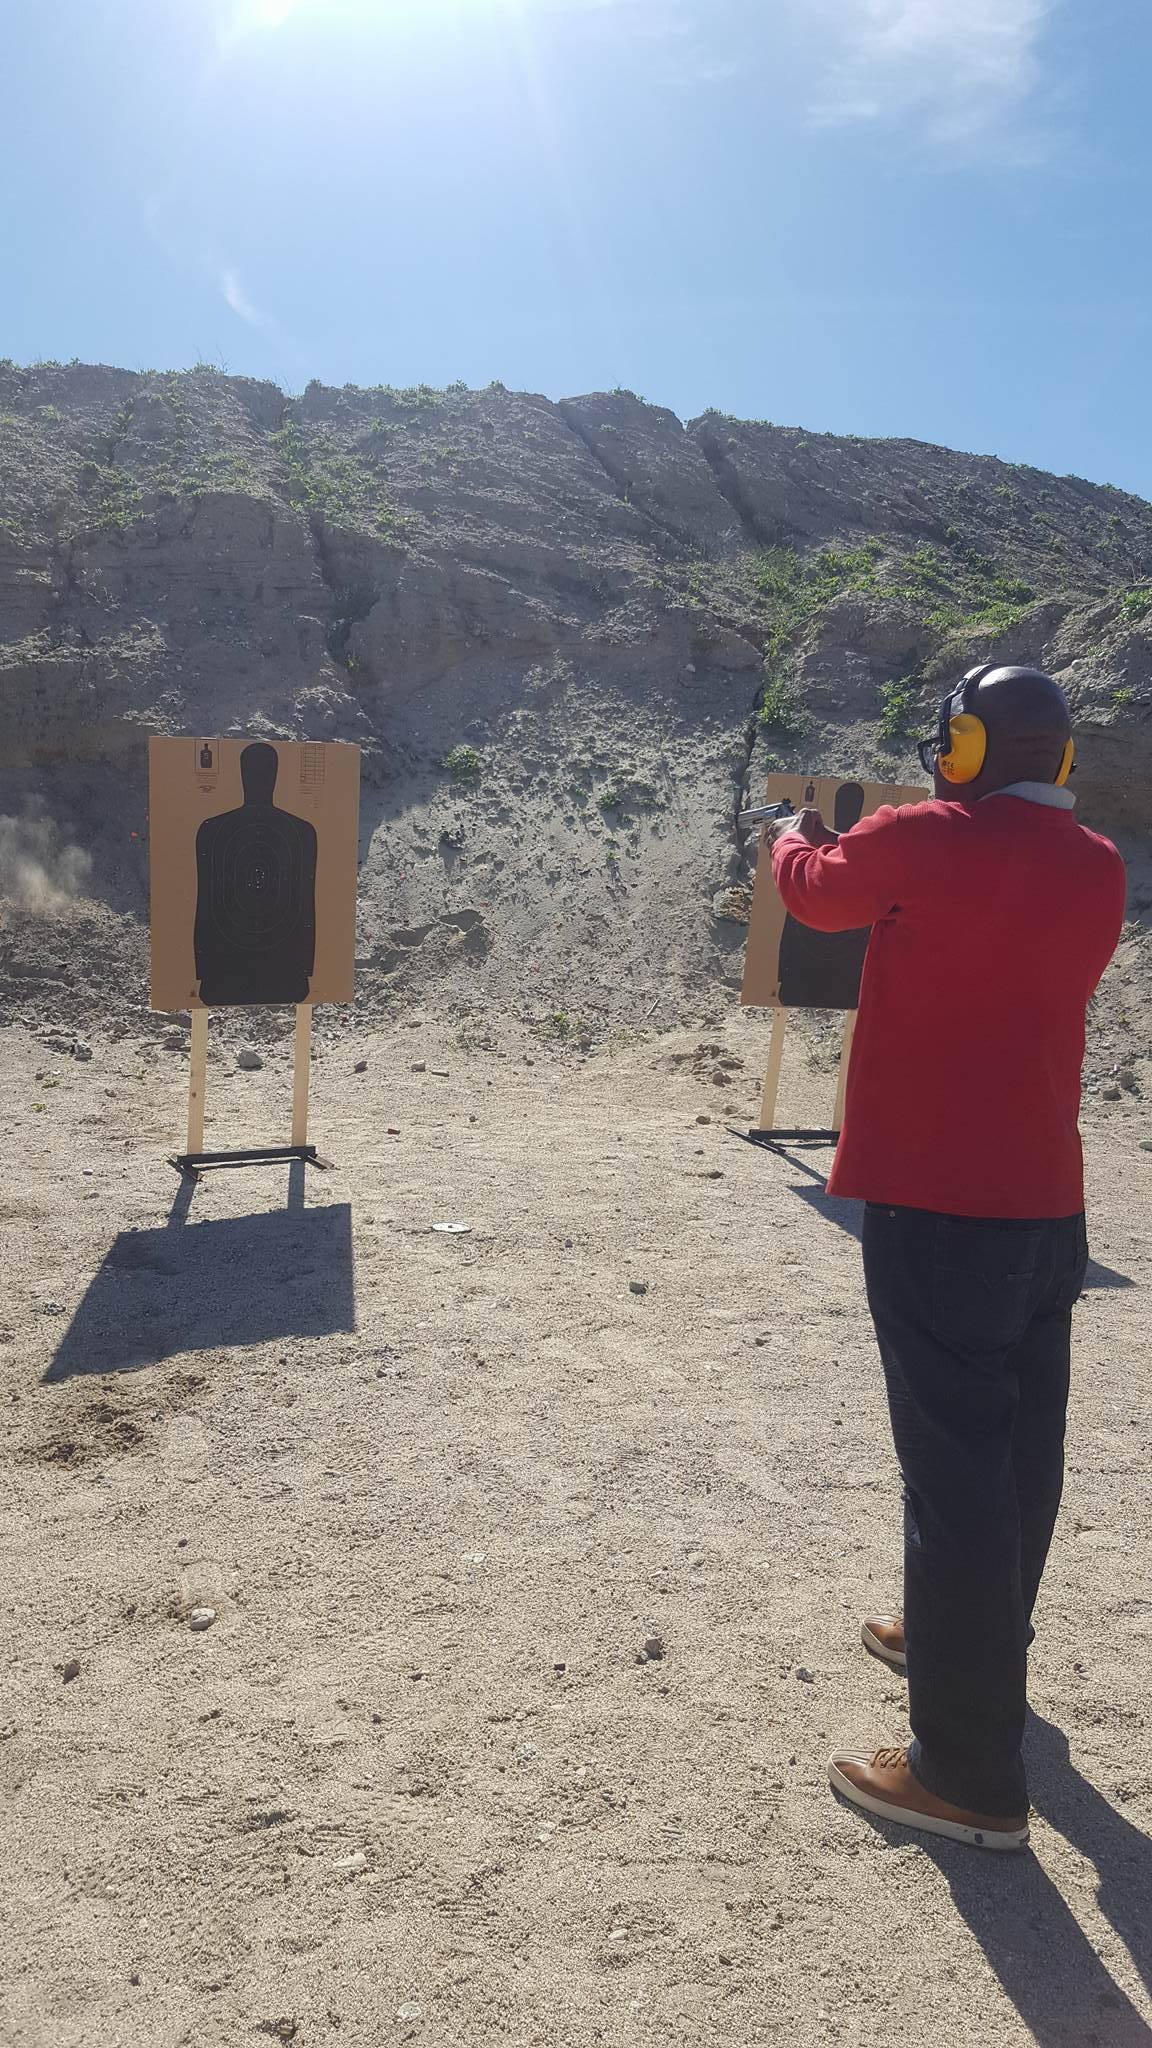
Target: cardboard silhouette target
{"x":787,"y":965}
{"x":253,"y":854}
{"x":254,"y":937}
{"x":821,"y":970}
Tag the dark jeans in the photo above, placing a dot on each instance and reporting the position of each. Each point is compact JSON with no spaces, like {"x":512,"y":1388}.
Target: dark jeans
{"x":973,"y":1319}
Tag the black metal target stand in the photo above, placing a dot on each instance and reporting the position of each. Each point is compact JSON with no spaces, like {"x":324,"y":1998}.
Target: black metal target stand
{"x":195,"y":1161}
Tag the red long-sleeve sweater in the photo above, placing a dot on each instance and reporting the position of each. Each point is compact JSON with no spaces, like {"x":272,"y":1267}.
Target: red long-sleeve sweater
{"x":992,"y":924}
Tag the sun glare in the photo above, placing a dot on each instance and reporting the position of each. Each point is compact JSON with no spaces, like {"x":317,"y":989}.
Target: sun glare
{"x":261,"y":14}
{"x":272,"y":13}
{"x":253,"y":19}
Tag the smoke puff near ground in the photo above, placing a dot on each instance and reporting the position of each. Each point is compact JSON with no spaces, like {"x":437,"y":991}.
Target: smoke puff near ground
{"x":39,"y":869}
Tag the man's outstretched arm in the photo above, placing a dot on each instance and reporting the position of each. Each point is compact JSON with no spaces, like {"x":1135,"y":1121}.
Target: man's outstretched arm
{"x":838,"y":884}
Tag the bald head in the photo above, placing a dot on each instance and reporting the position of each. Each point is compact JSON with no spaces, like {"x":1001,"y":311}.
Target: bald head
{"x":1024,"y":707}
{"x":1026,"y":718}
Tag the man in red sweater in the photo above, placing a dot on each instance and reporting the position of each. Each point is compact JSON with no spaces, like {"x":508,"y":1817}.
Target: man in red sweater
{"x":993,"y":915}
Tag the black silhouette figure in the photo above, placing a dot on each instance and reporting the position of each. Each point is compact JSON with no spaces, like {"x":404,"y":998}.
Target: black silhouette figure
{"x":255,"y":933}
{"x":206,"y":756}
{"x":821,"y":970}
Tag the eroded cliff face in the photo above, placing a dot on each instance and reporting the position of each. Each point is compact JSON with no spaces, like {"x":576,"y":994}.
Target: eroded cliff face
{"x":570,"y":638}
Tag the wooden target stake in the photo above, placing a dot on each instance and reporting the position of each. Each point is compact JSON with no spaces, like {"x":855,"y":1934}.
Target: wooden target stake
{"x":301,"y":1068}
{"x":845,"y":1062}
{"x":772,"y":1077}
{"x":197,"y":1078}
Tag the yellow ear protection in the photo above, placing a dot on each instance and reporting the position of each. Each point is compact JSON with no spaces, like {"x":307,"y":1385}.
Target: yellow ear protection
{"x":963,"y":741}
{"x":959,"y":746}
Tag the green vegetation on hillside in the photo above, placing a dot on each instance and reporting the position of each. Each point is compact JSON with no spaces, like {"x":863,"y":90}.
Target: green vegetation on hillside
{"x":778,"y":711}
{"x":962,"y":591}
{"x":109,"y":497}
{"x":958,"y":591}
{"x":794,"y":587}
{"x":954,"y":590}
{"x":325,"y":481}
{"x":463,"y":764}
{"x":192,"y":445}
{"x":901,"y":712}
{"x":629,"y":793}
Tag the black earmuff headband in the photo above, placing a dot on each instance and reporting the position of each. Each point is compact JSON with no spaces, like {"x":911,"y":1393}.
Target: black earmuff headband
{"x":962,"y":700}
{"x":957,"y":700}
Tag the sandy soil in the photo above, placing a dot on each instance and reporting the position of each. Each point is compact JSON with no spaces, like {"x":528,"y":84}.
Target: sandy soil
{"x":441,"y":1490}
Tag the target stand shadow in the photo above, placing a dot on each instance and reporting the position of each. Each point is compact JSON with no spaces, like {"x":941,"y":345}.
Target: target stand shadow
{"x":194,"y":1161}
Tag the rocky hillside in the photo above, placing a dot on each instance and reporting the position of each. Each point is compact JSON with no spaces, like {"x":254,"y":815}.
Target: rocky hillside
{"x":570,"y":638}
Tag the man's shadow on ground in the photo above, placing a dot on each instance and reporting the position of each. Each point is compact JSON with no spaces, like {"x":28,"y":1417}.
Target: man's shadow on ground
{"x":1061,"y":1988}
{"x":232,"y":1281}
{"x":849,"y":1216}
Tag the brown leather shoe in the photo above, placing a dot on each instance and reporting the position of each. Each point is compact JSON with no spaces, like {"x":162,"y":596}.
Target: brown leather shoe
{"x":883,"y":1635}
{"x":884,"y":1784}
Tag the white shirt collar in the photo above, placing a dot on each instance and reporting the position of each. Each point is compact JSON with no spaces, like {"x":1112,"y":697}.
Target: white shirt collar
{"x":1046,"y":793}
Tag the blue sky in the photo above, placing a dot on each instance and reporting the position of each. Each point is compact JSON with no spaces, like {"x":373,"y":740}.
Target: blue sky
{"x":922,"y":217}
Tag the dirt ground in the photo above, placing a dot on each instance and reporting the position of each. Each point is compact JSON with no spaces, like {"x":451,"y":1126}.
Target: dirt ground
{"x":441,"y":1490}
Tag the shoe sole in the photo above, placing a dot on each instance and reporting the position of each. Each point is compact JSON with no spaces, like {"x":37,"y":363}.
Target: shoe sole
{"x":908,"y":1817}
{"x":876,"y":1648}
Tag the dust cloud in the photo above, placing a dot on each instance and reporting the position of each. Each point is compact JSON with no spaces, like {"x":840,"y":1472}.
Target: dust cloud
{"x":39,"y":869}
